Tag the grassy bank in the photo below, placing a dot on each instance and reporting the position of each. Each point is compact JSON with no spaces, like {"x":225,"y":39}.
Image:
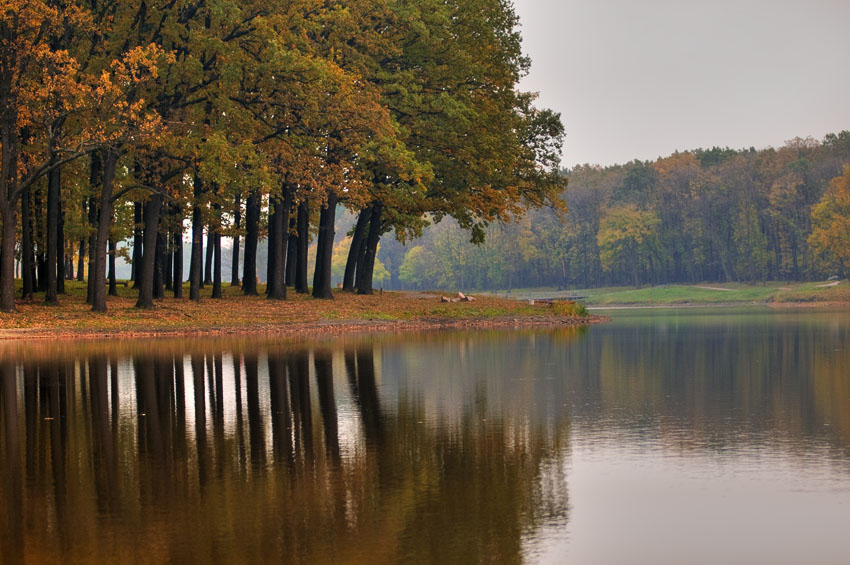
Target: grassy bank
{"x":708,"y":293}
{"x":236,"y":313}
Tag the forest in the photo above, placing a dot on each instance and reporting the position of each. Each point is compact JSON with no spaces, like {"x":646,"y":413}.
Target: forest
{"x":715,"y":214}
{"x":142,"y":123}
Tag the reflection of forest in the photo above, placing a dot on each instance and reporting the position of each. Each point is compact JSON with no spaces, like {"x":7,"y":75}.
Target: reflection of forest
{"x":717,"y":381}
{"x":446,"y":447}
{"x":256,"y":454}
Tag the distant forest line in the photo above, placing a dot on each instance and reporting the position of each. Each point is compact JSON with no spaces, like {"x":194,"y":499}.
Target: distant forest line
{"x":705,"y":215}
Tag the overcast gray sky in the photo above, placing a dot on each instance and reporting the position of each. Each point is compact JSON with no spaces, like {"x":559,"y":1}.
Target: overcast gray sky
{"x":642,"y":78}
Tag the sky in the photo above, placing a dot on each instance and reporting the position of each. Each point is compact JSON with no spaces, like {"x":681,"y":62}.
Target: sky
{"x":639,"y":79}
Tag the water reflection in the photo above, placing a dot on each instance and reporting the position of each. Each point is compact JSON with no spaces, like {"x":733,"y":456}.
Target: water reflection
{"x":447,"y":447}
{"x":266,"y":452}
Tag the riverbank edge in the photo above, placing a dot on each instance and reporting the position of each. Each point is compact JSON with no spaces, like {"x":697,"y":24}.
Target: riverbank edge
{"x":320,"y":328}
{"x":766,"y":304}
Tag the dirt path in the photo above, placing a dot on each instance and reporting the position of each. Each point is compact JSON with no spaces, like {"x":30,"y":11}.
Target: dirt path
{"x":835,"y":283}
{"x":715,"y":288}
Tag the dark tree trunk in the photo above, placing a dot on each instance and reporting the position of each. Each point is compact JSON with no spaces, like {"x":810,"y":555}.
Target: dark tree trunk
{"x":97,"y":273}
{"x":237,"y":224}
{"x":60,"y":250}
{"x":303,"y":243}
{"x":81,"y":258}
{"x":209,"y":256}
{"x":54,"y":183}
{"x":92,"y":243}
{"x":136,"y":265}
{"x":178,"y":257}
{"x":112,"y":276}
{"x":7,"y":255}
{"x":324,"y":254}
{"x":291,"y":252}
{"x":27,"y":251}
{"x":197,"y":244}
{"x":356,"y":248}
{"x":364,"y":275}
{"x":252,"y":234}
{"x":158,"y":262}
{"x":281,"y":215}
{"x":40,"y":259}
{"x":151,"y":214}
{"x":216,"y":291}
{"x":272,"y":247}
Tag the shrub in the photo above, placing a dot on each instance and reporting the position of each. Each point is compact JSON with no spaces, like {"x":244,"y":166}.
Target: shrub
{"x":570,"y":308}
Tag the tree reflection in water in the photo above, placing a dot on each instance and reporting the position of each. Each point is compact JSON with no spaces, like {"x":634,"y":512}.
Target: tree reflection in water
{"x":258,"y":453}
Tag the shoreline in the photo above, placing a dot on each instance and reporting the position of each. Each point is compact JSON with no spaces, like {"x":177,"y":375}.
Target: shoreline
{"x":777,"y":305}
{"x":312,"y":328}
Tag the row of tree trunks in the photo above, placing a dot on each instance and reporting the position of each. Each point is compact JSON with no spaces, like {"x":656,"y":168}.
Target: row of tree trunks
{"x":97,"y":276}
{"x":358,"y":240}
{"x":366,"y":267}
{"x":279,"y":227}
{"x":360,"y":265}
{"x":151,"y":218}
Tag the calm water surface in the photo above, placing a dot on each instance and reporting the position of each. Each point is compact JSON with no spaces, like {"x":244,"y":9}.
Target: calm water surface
{"x":665,"y":436}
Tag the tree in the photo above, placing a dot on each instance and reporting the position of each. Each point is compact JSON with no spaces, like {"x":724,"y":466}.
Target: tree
{"x":830,"y":237}
{"x":625,"y":239}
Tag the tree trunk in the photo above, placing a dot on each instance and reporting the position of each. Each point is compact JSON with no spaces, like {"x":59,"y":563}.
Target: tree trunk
{"x":197,"y":245}
{"x":237,"y":224}
{"x":112,"y":276}
{"x":364,"y":275}
{"x":216,"y":291}
{"x":291,"y":252}
{"x":178,"y":257}
{"x":27,"y":251}
{"x":40,"y":259}
{"x":324,"y":254}
{"x":151,"y":214}
{"x":97,"y":275}
{"x":356,"y":248}
{"x":303,"y":243}
{"x":93,"y":226}
{"x":60,"y":250}
{"x":135,"y":275}
{"x":209,"y":256}
{"x":273,"y":248}
{"x":168,"y":258}
{"x":252,"y":235}
{"x":54,"y":183}
{"x":158,"y":263}
{"x":81,"y":258}
{"x":281,"y":214}
{"x":7,"y":255}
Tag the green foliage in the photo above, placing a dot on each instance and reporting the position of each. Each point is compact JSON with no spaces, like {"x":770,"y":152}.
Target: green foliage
{"x":570,"y":308}
{"x":710,"y":215}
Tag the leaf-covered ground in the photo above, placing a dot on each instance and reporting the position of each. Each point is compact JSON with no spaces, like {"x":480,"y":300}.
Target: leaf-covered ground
{"x":236,"y":313}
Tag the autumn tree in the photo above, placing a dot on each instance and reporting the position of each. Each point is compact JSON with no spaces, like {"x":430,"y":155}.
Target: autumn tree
{"x":830,"y":237}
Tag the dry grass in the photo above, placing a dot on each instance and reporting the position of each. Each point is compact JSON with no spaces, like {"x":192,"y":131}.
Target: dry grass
{"x":236,"y":313}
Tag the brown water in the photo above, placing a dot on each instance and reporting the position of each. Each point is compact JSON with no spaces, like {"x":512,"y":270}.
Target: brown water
{"x":689,"y":436}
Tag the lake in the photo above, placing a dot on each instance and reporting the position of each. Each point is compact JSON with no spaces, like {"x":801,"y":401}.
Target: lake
{"x":702,"y":435}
